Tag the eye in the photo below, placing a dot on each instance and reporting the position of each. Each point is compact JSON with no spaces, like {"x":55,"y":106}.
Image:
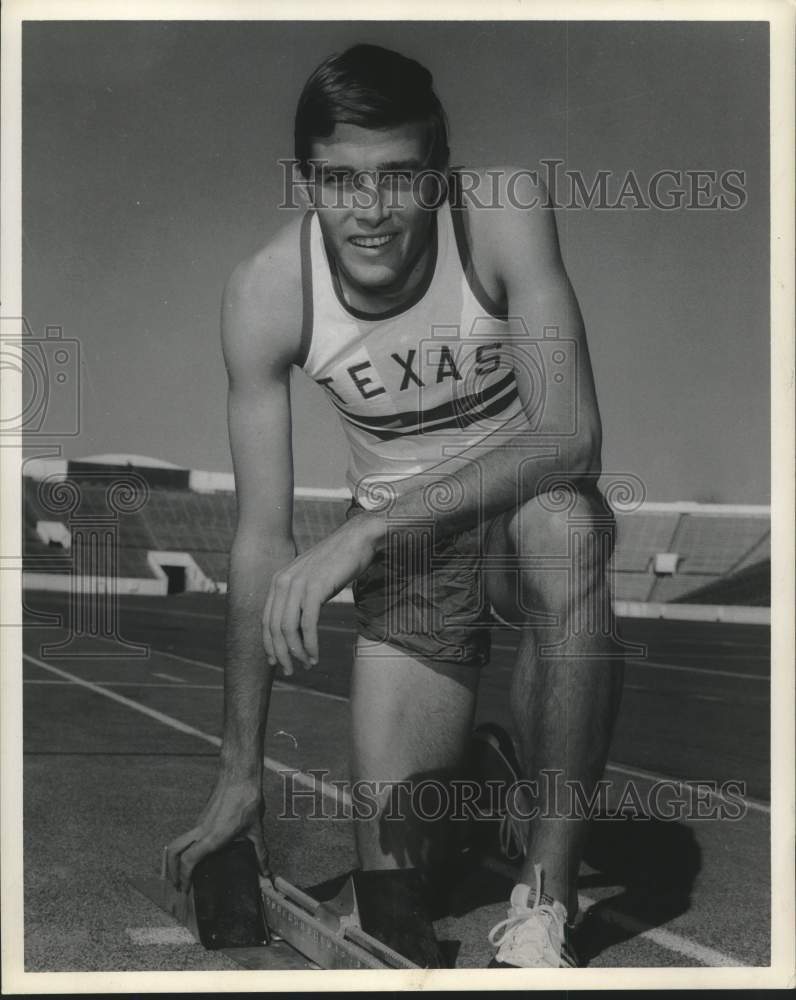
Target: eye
{"x":395,"y":178}
{"x":336,"y":178}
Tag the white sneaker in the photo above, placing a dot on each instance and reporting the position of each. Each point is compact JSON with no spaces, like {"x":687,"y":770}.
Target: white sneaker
{"x":533,"y":937}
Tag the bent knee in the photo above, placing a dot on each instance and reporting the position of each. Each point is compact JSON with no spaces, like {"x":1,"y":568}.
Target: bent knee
{"x":563,"y":521}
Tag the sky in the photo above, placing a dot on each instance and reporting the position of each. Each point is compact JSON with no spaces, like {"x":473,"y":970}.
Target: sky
{"x":150,"y":168}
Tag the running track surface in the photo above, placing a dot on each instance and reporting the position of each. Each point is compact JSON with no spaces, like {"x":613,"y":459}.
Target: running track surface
{"x":120,"y":755}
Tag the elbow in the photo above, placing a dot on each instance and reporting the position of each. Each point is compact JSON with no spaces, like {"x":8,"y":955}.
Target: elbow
{"x":587,"y":453}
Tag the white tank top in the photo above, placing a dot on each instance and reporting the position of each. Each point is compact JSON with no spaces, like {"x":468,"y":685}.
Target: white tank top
{"x":419,"y":383}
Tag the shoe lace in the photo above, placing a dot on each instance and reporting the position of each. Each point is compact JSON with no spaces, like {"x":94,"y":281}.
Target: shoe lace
{"x":536,"y":933}
{"x":512,"y":839}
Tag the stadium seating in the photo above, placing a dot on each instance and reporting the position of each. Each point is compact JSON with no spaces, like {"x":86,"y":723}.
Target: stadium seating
{"x":315,"y":519}
{"x":631,"y":586}
{"x":215,"y":565}
{"x":672,"y":588}
{"x":133,"y":564}
{"x":749,"y":587}
{"x":639,"y":536}
{"x":723,"y":553}
{"x":715,"y":545}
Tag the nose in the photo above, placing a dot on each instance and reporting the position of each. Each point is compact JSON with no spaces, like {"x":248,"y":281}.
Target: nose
{"x":370,"y":203}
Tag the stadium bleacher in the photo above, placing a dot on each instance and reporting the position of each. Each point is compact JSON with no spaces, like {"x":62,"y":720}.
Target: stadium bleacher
{"x":630,"y":586}
{"x":133,"y":564}
{"x":639,"y":536}
{"x":722,"y":553}
{"x":713,"y":546}
{"x":213,"y":564}
{"x":315,"y":518}
{"x":759,"y":553}
{"x":748,"y":587}
{"x":672,"y":588}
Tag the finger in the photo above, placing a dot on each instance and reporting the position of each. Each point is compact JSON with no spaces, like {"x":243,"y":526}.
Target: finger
{"x":291,"y":616}
{"x":267,"y":643}
{"x":172,"y":855}
{"x":310,"y":611}
{"x":281,"y":586}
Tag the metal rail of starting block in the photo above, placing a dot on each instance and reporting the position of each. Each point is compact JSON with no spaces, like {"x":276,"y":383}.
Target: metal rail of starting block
{"x":329,"y":934}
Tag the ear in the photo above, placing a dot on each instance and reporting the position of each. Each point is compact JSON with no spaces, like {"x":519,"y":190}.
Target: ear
{"x":297,"y":190}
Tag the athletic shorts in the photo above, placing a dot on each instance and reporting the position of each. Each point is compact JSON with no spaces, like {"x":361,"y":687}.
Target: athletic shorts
{"x":427,"y":597}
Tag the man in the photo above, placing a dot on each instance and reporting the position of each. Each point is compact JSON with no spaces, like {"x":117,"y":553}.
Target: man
{"x":447,"y":336}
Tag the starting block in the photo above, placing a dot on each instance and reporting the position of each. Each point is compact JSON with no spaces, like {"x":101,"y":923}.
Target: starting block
{"x":373,"y":922}
{"x":330,"y":934}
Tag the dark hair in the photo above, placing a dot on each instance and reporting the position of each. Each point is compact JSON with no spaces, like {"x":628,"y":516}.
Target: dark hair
{"x":374,"y":88}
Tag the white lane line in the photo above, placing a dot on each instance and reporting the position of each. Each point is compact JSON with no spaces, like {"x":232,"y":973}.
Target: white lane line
{"x":658,"y":935}
{"x":187,"y":659}
{"x":284,"y":686}
{"x":668,"y":940}
{"x":160,"y":935}
{"x":173,"y":613}
{"x":169,"y":677}
{"x":503,"y":647}
{"x":167,"y":720}
{"x":753,"y":804}
{"x":698,"y":697}
{"x":183,"y":685}
{"x":659,"y":665}
{"x":693,"y":644}
{"x":279,"y":685}
{"x":740,"y":697}
{"x":628,"y":687}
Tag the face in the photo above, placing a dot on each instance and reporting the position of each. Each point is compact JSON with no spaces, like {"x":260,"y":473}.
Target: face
{"x":371,"y":213}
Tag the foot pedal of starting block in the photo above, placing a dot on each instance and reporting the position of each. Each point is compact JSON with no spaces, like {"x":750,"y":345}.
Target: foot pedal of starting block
{"x":376,"y":921}
{"x":223,"y":907}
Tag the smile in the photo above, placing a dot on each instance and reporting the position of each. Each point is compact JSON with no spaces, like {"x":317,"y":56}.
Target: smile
{"x":372,"y":242}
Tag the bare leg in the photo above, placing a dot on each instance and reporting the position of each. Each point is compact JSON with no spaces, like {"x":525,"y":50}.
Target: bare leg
{"x":410,"y":719}
{"x":563,"y":707}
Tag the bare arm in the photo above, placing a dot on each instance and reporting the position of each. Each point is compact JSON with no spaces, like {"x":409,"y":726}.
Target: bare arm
{"x":257,"y":360}
{"x":259,"y":432}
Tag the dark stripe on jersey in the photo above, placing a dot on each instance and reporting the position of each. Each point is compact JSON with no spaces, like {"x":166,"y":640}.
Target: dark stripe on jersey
{"x":457,"y":418}
{"x":458,"y":212}
{"x":306,"y":290}
{"x":411,"y":418}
